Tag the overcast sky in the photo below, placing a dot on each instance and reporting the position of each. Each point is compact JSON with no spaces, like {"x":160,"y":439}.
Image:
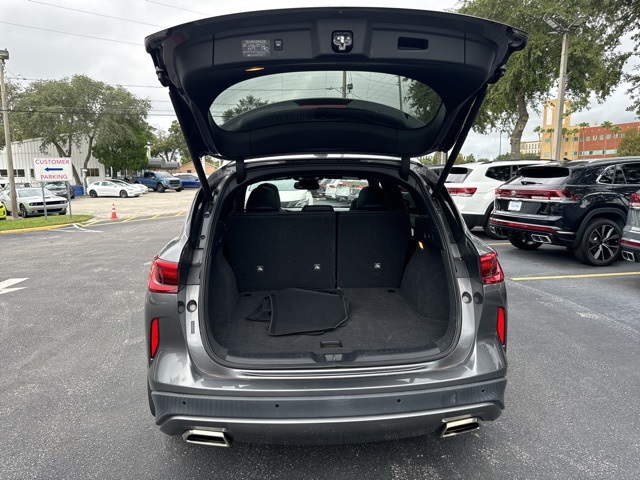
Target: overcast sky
{"x":107,"y":45}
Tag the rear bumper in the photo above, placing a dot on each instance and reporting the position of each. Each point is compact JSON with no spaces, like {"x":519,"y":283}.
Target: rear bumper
{"x":329,"y":419}
{"x":631,"y":247}
{"x":545,"y":230}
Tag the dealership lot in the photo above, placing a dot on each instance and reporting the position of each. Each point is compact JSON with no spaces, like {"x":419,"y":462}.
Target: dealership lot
{"x":74,"y":403}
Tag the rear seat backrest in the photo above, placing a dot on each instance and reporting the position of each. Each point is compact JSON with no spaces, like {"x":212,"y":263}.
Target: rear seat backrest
{"x":271,"y":251}
{"x":372,"y":248}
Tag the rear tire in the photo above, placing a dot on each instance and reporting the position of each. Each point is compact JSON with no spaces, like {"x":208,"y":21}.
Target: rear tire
{"x":123,"y":194}
{"x":487,"y":230}
{"x":160,"y":188}
{"x":600,"y":243}
{"x":524,"y":244}
{"x":93,"y":194}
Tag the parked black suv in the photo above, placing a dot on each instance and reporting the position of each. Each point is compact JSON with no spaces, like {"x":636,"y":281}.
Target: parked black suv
{"x":582,"y":205}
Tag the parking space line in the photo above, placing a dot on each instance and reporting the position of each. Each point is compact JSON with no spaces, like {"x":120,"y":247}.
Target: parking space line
{"x":587,"y":275}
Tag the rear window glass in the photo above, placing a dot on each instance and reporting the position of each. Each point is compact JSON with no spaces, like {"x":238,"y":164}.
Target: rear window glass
{"x":387,"y":97}
{"x":541,"y":176}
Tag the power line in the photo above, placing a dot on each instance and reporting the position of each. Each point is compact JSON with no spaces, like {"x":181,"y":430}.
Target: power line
{"x":179,"y":8}
{"x":96,"y":14}
{"x":23,"y":79}
{"x":74,"y":34}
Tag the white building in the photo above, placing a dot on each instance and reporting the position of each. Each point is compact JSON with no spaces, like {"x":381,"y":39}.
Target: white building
{"x":23,"y":154}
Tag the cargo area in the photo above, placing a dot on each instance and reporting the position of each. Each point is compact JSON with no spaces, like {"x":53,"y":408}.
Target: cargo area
{"x":395,"y":287}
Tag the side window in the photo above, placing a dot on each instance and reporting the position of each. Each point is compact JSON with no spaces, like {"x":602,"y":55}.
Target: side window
{"x":147,"y":174}
{"x":501,"y":174}
{"x":607,"y":176}
{"x":632,"y":172}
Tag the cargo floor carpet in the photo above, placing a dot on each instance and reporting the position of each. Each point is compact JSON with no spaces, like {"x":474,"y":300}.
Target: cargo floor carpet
{"x":379,"y":319}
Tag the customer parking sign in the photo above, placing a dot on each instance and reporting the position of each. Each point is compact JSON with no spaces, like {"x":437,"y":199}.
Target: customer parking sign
{"x":52,"y":169}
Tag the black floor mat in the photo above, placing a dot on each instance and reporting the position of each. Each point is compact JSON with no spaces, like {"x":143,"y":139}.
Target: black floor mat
{"x":295,"y":311}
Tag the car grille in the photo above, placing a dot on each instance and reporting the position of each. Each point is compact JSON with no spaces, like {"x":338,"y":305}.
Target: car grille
{"x":174,"y":183}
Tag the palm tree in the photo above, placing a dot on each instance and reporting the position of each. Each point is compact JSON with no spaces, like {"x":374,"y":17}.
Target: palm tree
{"x":606,"y":126}
{"x":539,"y":131}
{"x":616,"y":129}
{"x":549,"y":131}
{"x":582,"y":125}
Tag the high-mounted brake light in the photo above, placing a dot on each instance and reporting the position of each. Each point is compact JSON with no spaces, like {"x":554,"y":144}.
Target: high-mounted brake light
{"x":462,"y":191}
{"x":490,"y":269}
{"x":501,"y":326}
{"x":163,"y":277}
{"x":154,"y":337}
{"x":635,"y":200}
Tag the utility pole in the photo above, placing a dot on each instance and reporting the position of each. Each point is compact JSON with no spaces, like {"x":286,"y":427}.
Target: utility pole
{"x":4,"y":55}
{"x":557,"y":23}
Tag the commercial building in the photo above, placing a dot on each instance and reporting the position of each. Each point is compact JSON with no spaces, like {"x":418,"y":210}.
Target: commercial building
{"x":23,"y":154}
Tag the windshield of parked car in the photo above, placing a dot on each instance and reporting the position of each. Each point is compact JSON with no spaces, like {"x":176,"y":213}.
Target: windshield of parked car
{"x":415,"y":104}
{"x":162,"y":174}
{"x":286,"y":185}
{"x":32,"y":192}
{"x":55,"y":185}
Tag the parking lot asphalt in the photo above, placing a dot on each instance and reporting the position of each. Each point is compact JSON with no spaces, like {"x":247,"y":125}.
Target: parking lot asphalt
{"x":152,"y":203}
{"x":73,"y":401}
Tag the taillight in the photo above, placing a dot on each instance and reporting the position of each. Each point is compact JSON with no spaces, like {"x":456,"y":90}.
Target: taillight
{"x":163,"y":277}
{"x":539,"y":194}
{"x":490,"y":269}
{"x":462,"y":191}
{"x":331,"y":186}
{"x":635,"y":200}
{"x":154,"y":337}
{"x":501,"y":326}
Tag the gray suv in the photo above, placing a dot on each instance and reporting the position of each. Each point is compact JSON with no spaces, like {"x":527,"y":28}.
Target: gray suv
{"x":376,"y":319}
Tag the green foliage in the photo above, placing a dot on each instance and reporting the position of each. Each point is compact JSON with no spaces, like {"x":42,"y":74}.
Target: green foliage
{"x":429,"y":159}
{"x":244,"y":105}
{"x":170,"y":146}
{"x":38,"y":222}
{"x":12,"y":91}
{"x":465,"y":159}
{"x":424,"y":102}
{"x":65,"y":112}
{"x":629,"y":144}
{"x":126,"y":151}
{"x":594,"y":65}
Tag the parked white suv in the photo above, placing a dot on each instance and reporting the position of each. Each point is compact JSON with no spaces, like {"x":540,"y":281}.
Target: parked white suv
{"x":473,"y":188}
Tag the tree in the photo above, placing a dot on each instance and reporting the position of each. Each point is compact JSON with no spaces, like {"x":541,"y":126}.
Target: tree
{"x":170,"y":146}
{"x":582,"y":125}
{"x":65,"y":112}
{"x":607,"y":126}
{"x":594,"y":65}
{"x":615,"y":129}
{"x":12,"y":91}
{"x":124,"y":151}
{"x":630,"y":144}
{"x":244,"y":105}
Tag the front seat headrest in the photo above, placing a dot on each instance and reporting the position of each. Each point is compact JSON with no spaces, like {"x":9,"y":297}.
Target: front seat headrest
{"x":372,"y":198}
{"x":263,"y":199}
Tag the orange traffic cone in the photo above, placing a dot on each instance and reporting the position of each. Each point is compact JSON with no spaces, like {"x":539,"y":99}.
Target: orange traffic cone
{"x":114,"y":215}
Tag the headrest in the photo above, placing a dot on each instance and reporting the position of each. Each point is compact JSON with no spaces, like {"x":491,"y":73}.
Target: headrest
{"x":372,"y":198}
{"x":263,"y":199}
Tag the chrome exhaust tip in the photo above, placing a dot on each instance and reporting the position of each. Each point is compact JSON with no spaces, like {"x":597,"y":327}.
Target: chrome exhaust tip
{"x":458,"y":427}
{"x":540,"y":238}
{"x":628,"y":256}
{"x":210,"y":438}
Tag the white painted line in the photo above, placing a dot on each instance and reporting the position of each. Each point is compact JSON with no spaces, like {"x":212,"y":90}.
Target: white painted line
{"x":4,"y":286}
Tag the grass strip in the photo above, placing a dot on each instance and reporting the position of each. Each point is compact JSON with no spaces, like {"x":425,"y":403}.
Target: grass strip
{"x":36,"y":222}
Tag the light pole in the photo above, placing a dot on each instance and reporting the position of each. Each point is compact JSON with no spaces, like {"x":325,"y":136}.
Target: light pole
{"x":557,"y":23}
{"x":4,"y":55}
